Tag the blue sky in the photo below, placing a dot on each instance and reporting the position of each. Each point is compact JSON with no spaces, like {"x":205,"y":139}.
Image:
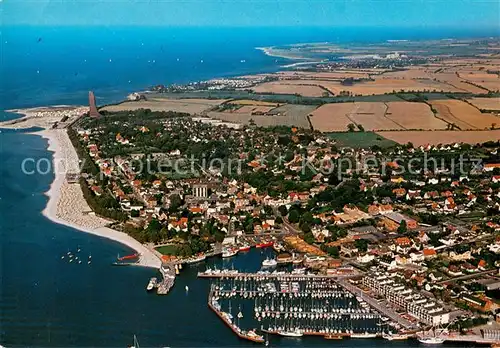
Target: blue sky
{"x":337,"y":13}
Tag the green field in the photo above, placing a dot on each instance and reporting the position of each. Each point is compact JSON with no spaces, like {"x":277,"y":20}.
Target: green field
{"x":167,"y":250}
{"x":360,"y":139}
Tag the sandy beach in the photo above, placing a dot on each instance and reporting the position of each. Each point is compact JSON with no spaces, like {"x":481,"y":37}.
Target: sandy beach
{"x":43,"y":117}
{"x":67,"y":206}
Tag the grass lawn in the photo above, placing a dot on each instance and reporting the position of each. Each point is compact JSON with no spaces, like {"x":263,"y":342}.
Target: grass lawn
{"x":167,"y":249}
{"x":360,"y":139}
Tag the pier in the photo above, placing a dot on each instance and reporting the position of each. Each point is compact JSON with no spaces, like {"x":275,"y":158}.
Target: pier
{"x":168,"y":272}
{"x":261,"y":276}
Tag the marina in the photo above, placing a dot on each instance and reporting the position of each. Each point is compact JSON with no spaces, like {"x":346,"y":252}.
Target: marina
{"x":294,"y":305}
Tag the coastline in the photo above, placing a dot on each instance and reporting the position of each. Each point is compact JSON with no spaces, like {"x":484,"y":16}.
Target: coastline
{"x":269,"y":51}
{"x":67,"y":206}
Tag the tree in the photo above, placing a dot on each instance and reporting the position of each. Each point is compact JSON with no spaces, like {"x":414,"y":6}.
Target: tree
{"x":175,"y":202}
{"x":279,"y":220}
{"x":402,"y":227}
{"x":305,"y":227}
{"x":307,"y":217}
{"x":293,"y":216}
{"x":351,"y":127}
{"x":333,"y":251}
{"x":361,"y":245}
{"x":283,"y":210}
{"x":309,"y":238}
{"x":361,"y":128}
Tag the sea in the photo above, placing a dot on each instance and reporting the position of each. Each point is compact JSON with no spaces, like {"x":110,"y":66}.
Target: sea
{"x":46,"y":301}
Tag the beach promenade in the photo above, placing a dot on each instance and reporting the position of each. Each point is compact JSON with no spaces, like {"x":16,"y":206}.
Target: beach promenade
{"x":67,"y":205}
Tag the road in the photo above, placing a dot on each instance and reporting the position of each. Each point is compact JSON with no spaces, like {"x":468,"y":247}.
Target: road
{"x":468,"y":276}
{"x":378,"y":306}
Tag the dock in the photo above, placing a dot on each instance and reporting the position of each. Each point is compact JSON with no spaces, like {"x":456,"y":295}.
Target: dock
{"x":490,"y":337}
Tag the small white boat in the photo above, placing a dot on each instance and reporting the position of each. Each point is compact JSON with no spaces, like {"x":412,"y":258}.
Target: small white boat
{"x":269,"y":262}
{"x":294,"y":333}
{"x":187,"y":288}
{"x":431,"y":340}
{"x":151,"y":284}
{"x":394,"y":337}
{"x":364,"y":335}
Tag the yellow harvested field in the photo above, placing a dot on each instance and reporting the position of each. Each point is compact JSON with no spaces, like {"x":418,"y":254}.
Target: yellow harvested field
{"x":331,"y":117}
{"x":324,"y":75}
{"x":288,"y":115}
{"x":419,"y":138}
{"x":493,"y":86}
{"x":492,"y":104}
{"x":190,"y":106}
{"x":463,"y":115}
{"x":452,"y":79}
{"x":282,"y":87}
{"x":411,"y":73}
{"x":371,"y":116}
{"x":254,"y":109}
{"x":413,"y":116}
{"x":381,"y":86}
{"x":375,"y":116}
{"x":489,"y":81}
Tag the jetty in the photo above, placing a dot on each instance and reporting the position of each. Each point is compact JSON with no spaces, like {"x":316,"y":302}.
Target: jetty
{"x":227,"y":318}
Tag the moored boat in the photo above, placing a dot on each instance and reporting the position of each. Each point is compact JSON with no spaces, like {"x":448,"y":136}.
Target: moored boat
{"x":195,"y":259}
{"x":229,"y":252}
{"x":264,"y":244}
{"x":291,"y":333}
{"x":333,"y":337}
{"x":244,"y":247}
{"x":394,"y":337}
{"x":269,"y":262}
{"x":363,"y":335}
{"x":151,"y":284}
{"x":431,"y":340}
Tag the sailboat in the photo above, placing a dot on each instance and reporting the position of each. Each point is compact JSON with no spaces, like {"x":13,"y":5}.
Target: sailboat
{"x":136,"y":343}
